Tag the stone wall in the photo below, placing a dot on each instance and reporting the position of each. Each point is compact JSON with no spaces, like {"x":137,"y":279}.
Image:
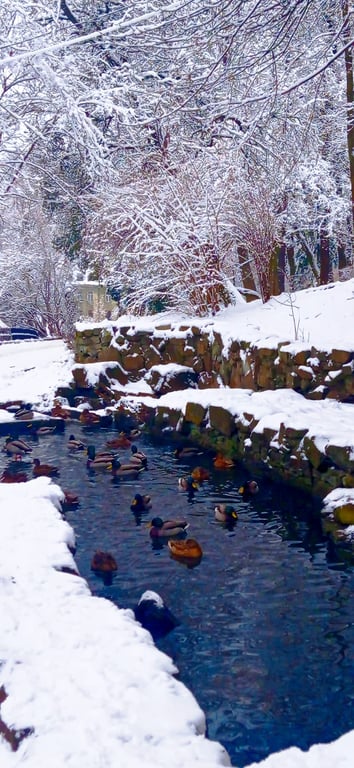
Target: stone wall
{"x":314,"y":373}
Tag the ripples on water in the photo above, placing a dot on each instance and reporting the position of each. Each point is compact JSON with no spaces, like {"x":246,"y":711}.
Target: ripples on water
{"x":266,"y":634}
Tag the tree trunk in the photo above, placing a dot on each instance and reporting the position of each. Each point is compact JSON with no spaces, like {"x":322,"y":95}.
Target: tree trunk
{"x":326,"y":270}
{"x":246,"y":272}
{"x":277,"y":270}
{"x":348,"y":56}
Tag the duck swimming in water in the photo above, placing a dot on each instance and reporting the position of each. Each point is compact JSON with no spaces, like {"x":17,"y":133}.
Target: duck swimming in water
{"x":122,"y":441}
{"x":225,"y":513}
{"x":188,"y":551}
{"x":98,"y":462}
{"x":185,"y":451}
{"x":165,"y":528}
{"x":13,"y":477}
{"x":199,"y":474}
{"x":75,"y":445}
{"x":249,"y":488}
{"x":44,"y":470}
{"x":138,"y":456}
{"x":16,"y":447}
{"x":128,"y":471}
{"x":154,"y":615}
{"x":222,"y":462}
{"x":189,"y":485}
{"x":103,"y":562}
{"x":141,"y":503}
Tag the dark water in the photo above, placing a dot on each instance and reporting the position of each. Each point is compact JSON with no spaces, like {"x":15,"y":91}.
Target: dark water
{"x":266,"y":636}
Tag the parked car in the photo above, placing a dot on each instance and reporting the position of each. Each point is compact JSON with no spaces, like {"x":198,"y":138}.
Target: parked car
{"x":19,"y":333}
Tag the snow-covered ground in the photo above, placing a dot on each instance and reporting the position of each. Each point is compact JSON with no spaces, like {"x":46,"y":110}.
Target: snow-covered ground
{"x":79,"y":673}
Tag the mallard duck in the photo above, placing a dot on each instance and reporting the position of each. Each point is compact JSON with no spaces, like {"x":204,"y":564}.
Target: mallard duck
{"x":41,"y":470}
{"x":122,"y":441}
{"x":138,"y":456}
{"x":13,"y":477}
{"x":103,"y":562}
{"x":225,"y":513}
{"x":188,"y":551}
{"x":188,"y":484}
{"x":89,"y":418}
{"x":75,"y":445}
{"x":25,"y":413}
{"x":154,"y":615}
{"x":101,"y":461}
{"x":249,"y":488}
{"x":222,"y":462}
{"x":159,"y":527}
{"x":141,"y":503}
{"x":41,"y":430}
{"x":200,"y":474}
{"x":184,"y":451}
{"x":70,"y":501}
{"x":128,"y":471}
{"x":16,"y":447}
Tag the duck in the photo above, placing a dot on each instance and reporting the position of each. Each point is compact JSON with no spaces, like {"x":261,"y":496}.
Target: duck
{"x":225,"y":513}
{"x":134,"y":433}
{"x":89,"y":418}
{"x":222,"y":462}
{"x":41,"y":430}
{"x":103,"y":562}
{"x":249,"y":488}
{"x":184,"y":451}
{"x":25,"y":413}
{"x":154,"y":615}
{"x":70,"y":501}
{"x":140,"y":503}
{"x":16,"y":447}
{"x":159,"y":527}
{"x":128,"y":471}
{"x":44,"y":470}
{"x":188,"y":551}
{"x":138,"y":456}
{"x":122,"y":441}
{"x":188,"y":484}
{"x":199,"y":474}
{"x":101,"y":461}
{"x":13,"y":477}
{"x":75,"y":445}
{"x":59,"y":412}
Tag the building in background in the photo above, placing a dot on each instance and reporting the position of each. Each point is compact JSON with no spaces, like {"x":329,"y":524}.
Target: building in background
{"x":94,"y":303}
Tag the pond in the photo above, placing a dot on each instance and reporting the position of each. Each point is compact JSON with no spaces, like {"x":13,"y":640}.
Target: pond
{"x":266,"y":619}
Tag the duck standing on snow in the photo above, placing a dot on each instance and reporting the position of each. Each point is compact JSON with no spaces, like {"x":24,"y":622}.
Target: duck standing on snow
{"x":166,"y":528}
{"x":25,"y":413}
{"x":154,"y":615}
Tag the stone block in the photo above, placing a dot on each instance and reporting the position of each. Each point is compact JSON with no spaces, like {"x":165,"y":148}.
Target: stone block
{"x":222,"y":420}
{"x":195,"y":413}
